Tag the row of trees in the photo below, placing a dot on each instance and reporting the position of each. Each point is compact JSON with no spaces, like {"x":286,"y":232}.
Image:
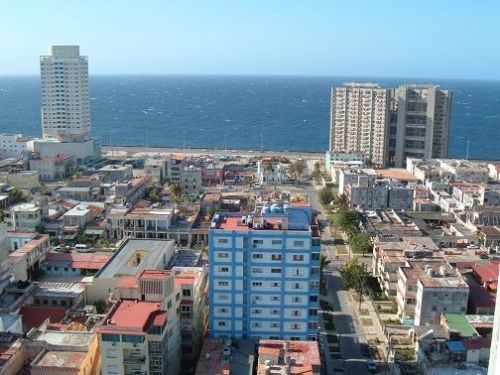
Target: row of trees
{"x":348,"y":221}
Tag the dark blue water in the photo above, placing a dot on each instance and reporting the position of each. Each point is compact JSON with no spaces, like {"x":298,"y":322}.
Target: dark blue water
{"x":280,"y":113}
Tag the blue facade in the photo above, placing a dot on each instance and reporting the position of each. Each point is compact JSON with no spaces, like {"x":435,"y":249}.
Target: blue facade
{"x":264,"y":283}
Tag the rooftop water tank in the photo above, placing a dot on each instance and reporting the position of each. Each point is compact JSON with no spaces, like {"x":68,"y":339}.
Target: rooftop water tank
{"x":275,"y":208}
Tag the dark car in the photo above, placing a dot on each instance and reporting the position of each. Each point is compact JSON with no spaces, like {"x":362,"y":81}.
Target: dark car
{"x":365,"y":350}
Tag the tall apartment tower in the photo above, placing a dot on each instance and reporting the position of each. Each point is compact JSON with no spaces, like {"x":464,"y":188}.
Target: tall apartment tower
{"x":494,"y":365}
{"x":65,"y":94}
{"x":359,"y":120}
{"x":264,"y":270}
{"x":421,"y":127}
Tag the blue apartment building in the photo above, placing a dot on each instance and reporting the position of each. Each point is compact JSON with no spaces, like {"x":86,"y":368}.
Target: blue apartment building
{"x":264,"y":272}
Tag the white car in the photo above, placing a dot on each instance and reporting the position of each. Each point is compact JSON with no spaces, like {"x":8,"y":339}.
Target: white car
{"x":83,"y":248}
{"x":472,"y":246}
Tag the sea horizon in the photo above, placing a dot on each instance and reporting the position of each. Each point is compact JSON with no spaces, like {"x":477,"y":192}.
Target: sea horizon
{"x":247,"y":112}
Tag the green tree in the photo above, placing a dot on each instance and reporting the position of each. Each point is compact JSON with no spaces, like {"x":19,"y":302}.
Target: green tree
{"x":16,"y":196}
{"x":347,"y":220}
{"x":175,"y":189}
{"x":153,"y":195}
{"x":361,"y":243}
{"x":2,"y":216}
{"x":354,"y":275}
{"x":211,"y":212}
{"x":40,"y":229}
{"x":297,"y":168}
{"x":341,"y":203}
{"x":325,"y":196}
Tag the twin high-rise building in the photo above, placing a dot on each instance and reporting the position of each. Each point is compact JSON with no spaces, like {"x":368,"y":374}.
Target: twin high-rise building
{"x":389,"y":125}
{"x":359,"y":120}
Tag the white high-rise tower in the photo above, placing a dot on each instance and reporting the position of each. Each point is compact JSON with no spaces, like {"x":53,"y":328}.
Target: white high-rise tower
{"x":65,"y":94}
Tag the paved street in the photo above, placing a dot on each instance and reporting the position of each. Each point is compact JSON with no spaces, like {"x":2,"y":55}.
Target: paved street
{"x":351,"y":333}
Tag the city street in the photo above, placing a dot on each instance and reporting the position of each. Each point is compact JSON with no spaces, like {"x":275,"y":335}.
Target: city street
{"x":351,"y":334}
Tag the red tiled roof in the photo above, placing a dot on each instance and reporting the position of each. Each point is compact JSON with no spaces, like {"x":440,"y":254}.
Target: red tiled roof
{"x":79,"y":261}
{"x":155,"y":274}
{"x":486,"y":273}
{"x":128,"y":282}
{"x":34,"y":316}
{"x":300,"y":204}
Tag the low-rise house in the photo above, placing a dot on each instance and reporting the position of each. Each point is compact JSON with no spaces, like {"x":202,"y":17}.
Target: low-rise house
{"x":57,"y":264}
{"x":24,"y":217}
{"x":132,"y":191}
{"x":288,"y":357}
{"x":439,"y":290}
{"x":269,"y":172}
{"x":191,"y":180}
{"x":115,"y":173}
{"x":23,"y":180}
{"x":53,"y":168}
{"x":213,"y":174}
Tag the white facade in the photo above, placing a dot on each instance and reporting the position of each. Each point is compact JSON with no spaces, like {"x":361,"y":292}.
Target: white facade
{"x":14,"y":145}
{"x":51,"y":147}
{"x":65,"y":94}
{"x":359,"y":120}
{"x":24,"y":217}
{"x":494,"y":366}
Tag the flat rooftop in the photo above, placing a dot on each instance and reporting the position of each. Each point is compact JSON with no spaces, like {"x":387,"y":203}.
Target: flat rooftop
{"x":62,"y":360}
{"x":212,"y":360}
{"x":132,"y":315}
{"x":304,"y":356}
{"x":53,"y":289}
{"x":77,"y":261}
{"x":137,"y":255}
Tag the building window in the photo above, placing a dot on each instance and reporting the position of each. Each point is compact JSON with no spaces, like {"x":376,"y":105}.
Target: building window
{"x":274,"y":325}
{"x":223,"y":283}
{"x":256,"y":311}
{"x":223,"y":269}
{"x":275,"y":284}
{"x":296,"y":286}
{"x":296,"y":313}
{"x":257,"y":270}
{"x":133,"y":338}
{"x":223,"y":255}
{"x":313,"y":312}
{"x":276,"y":242}
{"x":186,"y":292}
{"x":256,"y":283}
{"x":222,"y":240}
{"x":223,"y":297}
{"x":313,"y":298}
{"x":257,"y":256}
{"x":276,"y":257}
{"x":298,"y":258}
{"x":256,"y":324}
{"x":275,"y":270}
{"x":315,"y":256}
{"x":298,"y":243}
{"x":275,"y":298}
{"x":222,"y":324}
{"x":275,"y":312}
{"x":110,"y":337}
{"x":297,"y":299}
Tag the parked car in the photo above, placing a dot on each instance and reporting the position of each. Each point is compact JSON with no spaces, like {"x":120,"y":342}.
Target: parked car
{"x":365,"y":350}
{"x":57,"y":248}
{"x":81,"y":248}
{"x":371,"y":365}
{"x":472,"y":246}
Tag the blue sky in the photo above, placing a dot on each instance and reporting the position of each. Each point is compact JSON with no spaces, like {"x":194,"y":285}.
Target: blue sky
{"x":383,"y":38}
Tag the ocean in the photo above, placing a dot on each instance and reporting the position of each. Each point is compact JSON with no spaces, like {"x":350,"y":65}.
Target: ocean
{"x":239,"y":112}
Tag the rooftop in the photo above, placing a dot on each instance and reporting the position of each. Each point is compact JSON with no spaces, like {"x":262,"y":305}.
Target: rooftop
{"x":458,"y":322}
{"x":303,"y":356}
{"x":443,"y":276}
{"x":34,"y":316}
{"x":131,"y":315}
{"x":61,"y":360}
{"x":396,"y":174}
{"x":77,"y":261}
{"x":212,"y":359}
{"x":136,"y":255}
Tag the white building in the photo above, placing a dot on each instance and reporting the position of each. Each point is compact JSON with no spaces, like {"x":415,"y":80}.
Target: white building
{"x":439,"y":290}
{"x":359,"y":120}
{"x":24,"y":217}
{"x":191,"y":180}
{"x":422,"y":124}
{"x":65,"y":94}
{"x":14,"y":145}
{"x":494,"y":366}
{"x":270,"y":173}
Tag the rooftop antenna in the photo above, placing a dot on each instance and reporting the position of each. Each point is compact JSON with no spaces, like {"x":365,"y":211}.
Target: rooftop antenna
{"x":467,"y":152}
